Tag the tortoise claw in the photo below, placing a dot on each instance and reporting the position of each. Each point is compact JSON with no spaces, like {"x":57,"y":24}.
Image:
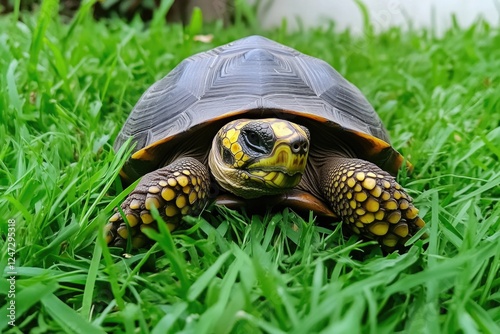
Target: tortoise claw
{"x":176,"y":190}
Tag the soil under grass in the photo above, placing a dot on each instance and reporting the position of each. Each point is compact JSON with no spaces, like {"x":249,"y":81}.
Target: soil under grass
{"x":65,"y":91}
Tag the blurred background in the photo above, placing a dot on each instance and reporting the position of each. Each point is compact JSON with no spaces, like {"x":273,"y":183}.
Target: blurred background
{"x":437,"y":16}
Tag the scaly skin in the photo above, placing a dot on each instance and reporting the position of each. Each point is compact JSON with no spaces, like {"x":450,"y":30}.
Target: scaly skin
{"x":370,"y":201}
{"x":176,"y":190}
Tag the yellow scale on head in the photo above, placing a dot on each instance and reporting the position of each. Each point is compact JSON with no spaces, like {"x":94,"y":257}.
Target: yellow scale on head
{"x":282,"y":129}
{"x":230,"y":141}
{"x":232,"y":135}
{"x":235,"y":148}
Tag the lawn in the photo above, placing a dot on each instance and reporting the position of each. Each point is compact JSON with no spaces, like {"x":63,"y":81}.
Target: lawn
{"x":67,"y":86}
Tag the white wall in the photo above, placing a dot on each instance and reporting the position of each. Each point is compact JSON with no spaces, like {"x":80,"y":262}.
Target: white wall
{"x":434,"y":14}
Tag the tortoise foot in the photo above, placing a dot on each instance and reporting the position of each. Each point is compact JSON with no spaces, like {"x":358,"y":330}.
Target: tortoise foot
{"x":371,"y":202}
{"x":176,"y":190}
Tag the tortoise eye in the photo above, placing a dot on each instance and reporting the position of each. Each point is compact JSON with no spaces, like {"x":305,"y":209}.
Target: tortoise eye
{"x":254,"y":138}
{"x":255,"y":142}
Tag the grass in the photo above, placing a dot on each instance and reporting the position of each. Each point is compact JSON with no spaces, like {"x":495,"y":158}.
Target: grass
{"x":66,"y":89}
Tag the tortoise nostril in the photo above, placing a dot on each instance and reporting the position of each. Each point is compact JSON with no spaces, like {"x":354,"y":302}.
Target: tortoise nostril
{"x":300,"y":146}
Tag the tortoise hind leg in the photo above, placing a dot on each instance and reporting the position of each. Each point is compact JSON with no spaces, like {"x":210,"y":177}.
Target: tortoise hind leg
{"x":176,"y":190}
{"x":370,"y":201}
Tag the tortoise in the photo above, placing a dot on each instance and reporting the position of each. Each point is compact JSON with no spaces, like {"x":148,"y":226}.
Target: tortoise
{"x":260,"y":121}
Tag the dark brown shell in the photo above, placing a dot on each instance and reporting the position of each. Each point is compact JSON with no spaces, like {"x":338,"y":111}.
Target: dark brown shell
{"x":251,"y":77}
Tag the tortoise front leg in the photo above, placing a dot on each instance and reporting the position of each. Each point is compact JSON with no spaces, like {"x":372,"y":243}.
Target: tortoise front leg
{"x":176,"y":190}
{"x":370,"y":201}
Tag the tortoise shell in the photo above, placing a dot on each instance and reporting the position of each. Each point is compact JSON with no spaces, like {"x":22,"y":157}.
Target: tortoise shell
{"x":253,"y":77}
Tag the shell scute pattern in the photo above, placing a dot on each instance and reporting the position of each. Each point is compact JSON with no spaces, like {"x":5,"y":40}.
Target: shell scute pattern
{"x":186,"y":97}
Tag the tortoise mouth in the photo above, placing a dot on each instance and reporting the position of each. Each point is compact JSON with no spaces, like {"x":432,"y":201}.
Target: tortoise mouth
{"x":276,"y":179}
{"x":282,"y":159}
{"x":265,"y":171}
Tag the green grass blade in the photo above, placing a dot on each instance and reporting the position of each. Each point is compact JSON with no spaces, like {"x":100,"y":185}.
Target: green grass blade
{"x":88,"y":294}
{"x":68,"y":319}
{"x":204,"y":280}
{"x":24,"y":299}
{"x":48,"y":11}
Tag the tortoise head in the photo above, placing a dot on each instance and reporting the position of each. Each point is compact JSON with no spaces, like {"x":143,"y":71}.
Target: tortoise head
{"x":255,"y":157}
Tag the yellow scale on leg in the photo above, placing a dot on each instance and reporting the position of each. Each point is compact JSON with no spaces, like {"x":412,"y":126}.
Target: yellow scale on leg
{"x":372,"y":202}
{"x":176,"y":190}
